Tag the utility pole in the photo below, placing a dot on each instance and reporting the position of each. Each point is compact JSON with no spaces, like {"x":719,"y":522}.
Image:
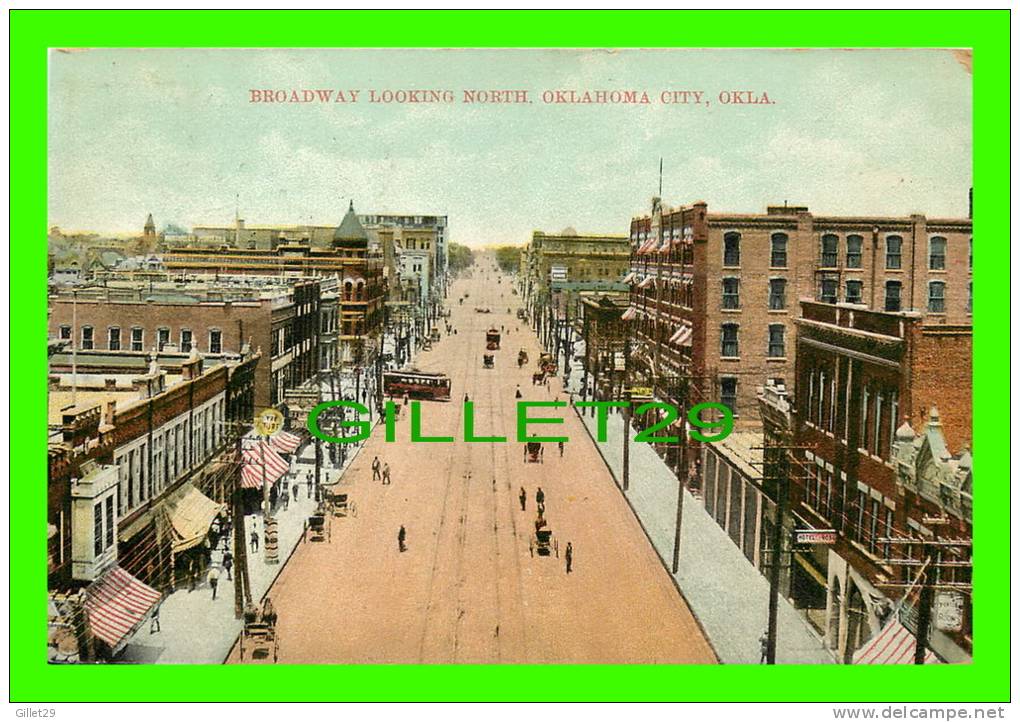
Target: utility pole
{"x":626,"y":413}
{"x":925,"y":603}
{"x":681,"y":473}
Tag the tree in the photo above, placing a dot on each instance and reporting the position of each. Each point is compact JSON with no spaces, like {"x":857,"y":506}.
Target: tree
{"x":460,"y":258}
{"x":508,"y":258}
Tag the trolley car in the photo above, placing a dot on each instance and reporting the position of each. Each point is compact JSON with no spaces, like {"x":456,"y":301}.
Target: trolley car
{"x":417,"y":385}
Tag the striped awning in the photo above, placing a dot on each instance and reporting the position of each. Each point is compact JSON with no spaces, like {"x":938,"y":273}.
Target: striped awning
{"x":190,"y":513}
{"x":646,"y":282}
{"x":629,"y":314}
{"x":893,"y":645}
{"x":285,"y":442}
{"x":629,"y":278}
{"x":116,"y":604}
{"x":251,"y":472}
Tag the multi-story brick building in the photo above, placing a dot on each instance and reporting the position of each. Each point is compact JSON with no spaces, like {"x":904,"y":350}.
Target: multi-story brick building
{"x":715,"y":294}
{"x":573,"y":262}
{"x":875,"y":461}
{"x":218,"y":318}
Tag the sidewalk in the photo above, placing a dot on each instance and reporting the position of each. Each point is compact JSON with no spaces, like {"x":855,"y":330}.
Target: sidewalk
{"x":197,"y":630}
{"x":726,"y":593}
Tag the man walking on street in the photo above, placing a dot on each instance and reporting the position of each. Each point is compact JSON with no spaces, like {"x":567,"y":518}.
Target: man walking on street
{"x":214,"y":579}
{"x":523,"y":496}
{"x":228,"y":564}
{"x":401,"y":538}
{"x":763,"y":642}
{"x":375,"y":469}
{"x":570,"y":556}
{"x":560,"y":445}
{"x":386,"y":473}
{"x":254,"y":540}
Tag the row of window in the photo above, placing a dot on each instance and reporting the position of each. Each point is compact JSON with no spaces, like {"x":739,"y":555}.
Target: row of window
{"x":730,"y":340}
{"x":829,"y":289}
{"x":102,"y":531}
{"x":859,"y":516}
{"x":829,"y":251}
{"x":137,"y":339}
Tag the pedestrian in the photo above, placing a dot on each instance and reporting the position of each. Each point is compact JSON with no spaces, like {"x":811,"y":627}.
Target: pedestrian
{"x":386,"y":473}
{"x":523,"y":496}
{"x":560,"y":445}
{"x":192,"y":574}
{"x":401,"y":538}
{"x":407,"y":397}
{"x":763,"y":642}
{"x":518,"y":393}
{"x":570,"y":557}
{"x":540,"y":498}
{"x":466,"y":399}
{"x":154,"y":620}
{"x":228,"y":564}
{"x":285,"y":497}
{"x":254,"y":540}
{"x":310,"y":481}
{"x":214,"y":579}
{"x":294,"y":490}
{"x":375,"y":469}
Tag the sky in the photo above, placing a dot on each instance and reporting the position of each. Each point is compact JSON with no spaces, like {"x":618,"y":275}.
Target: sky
{"x":172,"y":132}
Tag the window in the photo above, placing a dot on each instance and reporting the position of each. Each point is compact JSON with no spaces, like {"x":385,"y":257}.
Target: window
{"x":731,"y":293}
{"x":970,"y":254}
{"x":970,"y":295}
{"x":215,"y":341}
{"x":87,"y":338}
{"x":830,"y":250}
{"x":109,"y":522}
{"x":936,"y":297}
{"x":854,"y":244}
{"x":777,"y":294}
{"x":854,"y":289}
{"x":137,"y":339}
{"x":731,"y":249}
{"x":186,"y":339}
{"x":730,"y":346}
{"x":97,"y":529}
{"x":779,"y":241}
{"x":892,"y":295}
{"x":65,"y":333}
{"x":828,"y":290}
{"x":777,"y":340}
{"x":728,"y":394}
{"x":937,"y":253}
{"x":893,"y":251}
{"x":113,"y":340}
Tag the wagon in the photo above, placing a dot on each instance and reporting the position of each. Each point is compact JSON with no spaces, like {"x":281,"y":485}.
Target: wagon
{"x":533,"y":452}
{"x":543,"y":542}
{"x":339,"y":505}
{"x":522,"y":358}
{"x":319,"y":526}
{"x":538,"y":378}
{"x":492,"y":339}
{"x":487,"y":361}
{"x":259,"y":639}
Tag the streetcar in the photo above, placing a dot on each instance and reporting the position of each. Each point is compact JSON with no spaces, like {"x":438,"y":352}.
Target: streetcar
{"x":417,"y":385}
{"x":492,"y":339}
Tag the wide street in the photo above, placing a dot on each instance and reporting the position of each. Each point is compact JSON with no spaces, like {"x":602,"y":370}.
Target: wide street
{"x":467,"y":589}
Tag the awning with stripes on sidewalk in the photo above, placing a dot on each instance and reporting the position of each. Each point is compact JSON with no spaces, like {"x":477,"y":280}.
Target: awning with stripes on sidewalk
{"x":285,"y":442}
{"x":893,"y":645}
{"x":262,"y":455}
{"x":116,"y":604}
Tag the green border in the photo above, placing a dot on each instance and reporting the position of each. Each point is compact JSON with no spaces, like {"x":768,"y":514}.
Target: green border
{"x":31,"y":32}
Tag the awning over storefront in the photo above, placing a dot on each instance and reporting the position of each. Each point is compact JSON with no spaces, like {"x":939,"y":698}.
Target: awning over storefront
{"x":648,"y":281}
{"x":285,"y":442}
{"x":251,"y":472}
{"x":629,"y":314}
{"x":116,"y":604}
{"x":629,"y":278}
{"x":190,"y":513}
{"x":893,"y":645}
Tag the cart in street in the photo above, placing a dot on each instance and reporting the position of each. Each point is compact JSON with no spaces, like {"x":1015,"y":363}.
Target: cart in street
{"x":487,"y":361}
{"x":533,"y":452}
{"x":543,"y":542}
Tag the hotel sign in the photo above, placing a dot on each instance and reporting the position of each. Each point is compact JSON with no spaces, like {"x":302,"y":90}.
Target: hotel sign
{"x":814,"y":536}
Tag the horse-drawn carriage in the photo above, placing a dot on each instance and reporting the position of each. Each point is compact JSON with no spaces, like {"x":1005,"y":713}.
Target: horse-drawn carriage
{"x":547,"y":364}
{"x":480,"y":309}
{"x":522,"y":358}
{"x":259,"y":639}
{"x":543,"y":542}
{"x":533,"y":452}
{"x":492,"y":339}
{"x":487,"y":361}
{"x":337,"y":503}
{"x":318,"y":528}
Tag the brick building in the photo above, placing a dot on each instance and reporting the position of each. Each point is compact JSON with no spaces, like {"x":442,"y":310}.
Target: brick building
{"x":154,"y":437}
{"x":875,"y":460}
{"x":718,"y":292}
{"x":219,"y":319}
